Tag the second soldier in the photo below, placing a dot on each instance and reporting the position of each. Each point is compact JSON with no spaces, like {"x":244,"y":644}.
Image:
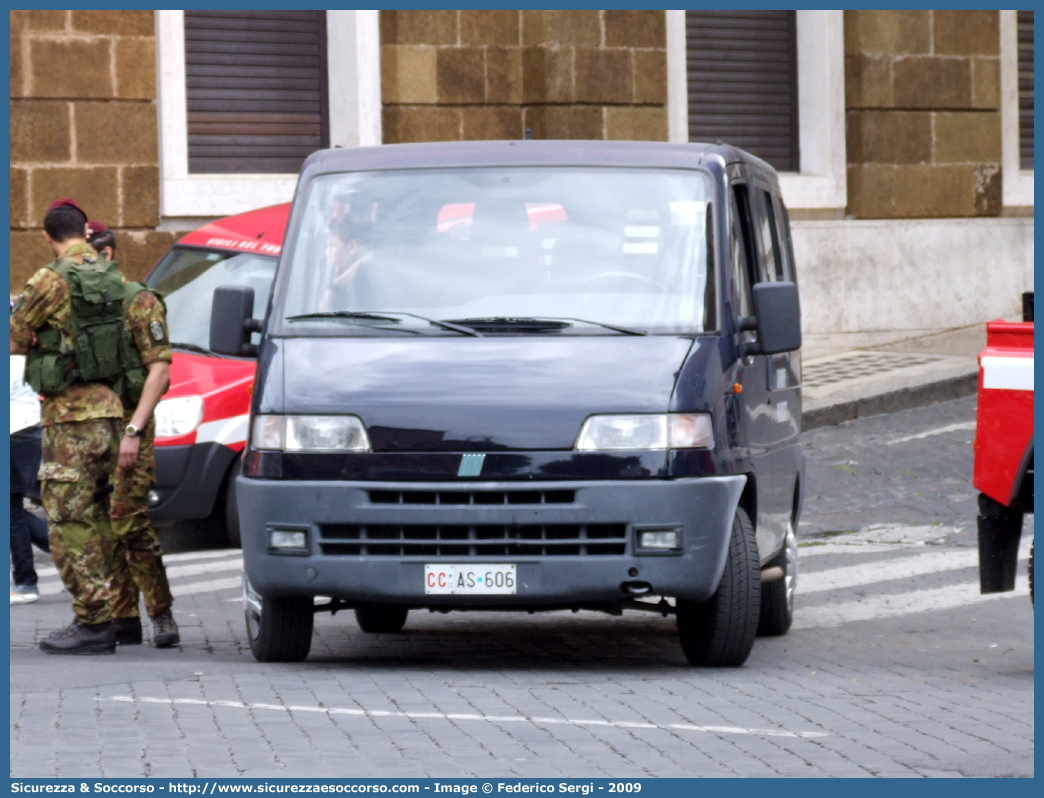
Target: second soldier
{"x":137,"y":560}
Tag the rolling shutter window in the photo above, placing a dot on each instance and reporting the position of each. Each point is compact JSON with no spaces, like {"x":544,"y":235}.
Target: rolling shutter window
{"x":1026,"y":89}
{"x":256,"y":84}
{"x":742,"y":77}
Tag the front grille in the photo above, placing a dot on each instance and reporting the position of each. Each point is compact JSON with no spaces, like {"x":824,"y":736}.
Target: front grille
{"x":459,"y":497}
{"x":391,"y":540}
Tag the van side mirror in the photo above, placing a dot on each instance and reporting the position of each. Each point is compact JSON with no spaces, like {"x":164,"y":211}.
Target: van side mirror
{"x":232,"y":320}
{"x":777,"y":318}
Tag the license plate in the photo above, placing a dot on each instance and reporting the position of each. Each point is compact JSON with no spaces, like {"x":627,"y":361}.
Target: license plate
{"x":447,"y":579}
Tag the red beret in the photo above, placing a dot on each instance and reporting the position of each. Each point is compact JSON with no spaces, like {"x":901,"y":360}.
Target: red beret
{"x":93,"y":228}
{"x":58,"y":203}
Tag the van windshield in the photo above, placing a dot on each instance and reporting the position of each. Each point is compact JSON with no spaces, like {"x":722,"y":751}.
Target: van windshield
{"x":187,"y":278}
{"x":502,"y":250}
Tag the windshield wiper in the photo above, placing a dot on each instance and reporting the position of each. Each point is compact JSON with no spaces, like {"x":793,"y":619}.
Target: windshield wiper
{"x":381,"y":316}
{"x":613,"y":327}
{"x":341,"y":314}
{"x":539,"y":324}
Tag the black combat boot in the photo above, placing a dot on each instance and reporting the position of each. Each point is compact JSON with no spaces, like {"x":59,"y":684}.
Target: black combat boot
{"x":165,"y":630}
{"x":128,"y":631}
{"x":78,"y":638}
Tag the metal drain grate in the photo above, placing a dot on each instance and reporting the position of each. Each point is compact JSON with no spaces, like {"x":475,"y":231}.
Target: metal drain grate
{"x":860,"y":364}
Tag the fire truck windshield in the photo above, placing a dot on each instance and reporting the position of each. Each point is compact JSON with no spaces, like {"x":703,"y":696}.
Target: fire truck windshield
{"x":187,"y":277}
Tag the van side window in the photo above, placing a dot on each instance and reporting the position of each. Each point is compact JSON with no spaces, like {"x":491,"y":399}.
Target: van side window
{"x":740,"y":241}
{"x":787,"y":250}
{"x":771,"y":262}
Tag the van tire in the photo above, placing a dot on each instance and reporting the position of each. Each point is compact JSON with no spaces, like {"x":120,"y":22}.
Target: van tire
{"x":720,"y":632}
{"x":231,"y":508}
{"x":777,"y":598}
{"x":376,"y":619}
{"x":279,"y":629}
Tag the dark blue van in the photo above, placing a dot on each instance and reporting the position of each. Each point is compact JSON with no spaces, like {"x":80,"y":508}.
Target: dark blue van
{"x":527,"y":375}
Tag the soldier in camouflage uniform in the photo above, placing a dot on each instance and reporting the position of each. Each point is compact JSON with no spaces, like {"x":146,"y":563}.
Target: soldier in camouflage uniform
{"x":137,"y":561}
{"x":80,"y":426}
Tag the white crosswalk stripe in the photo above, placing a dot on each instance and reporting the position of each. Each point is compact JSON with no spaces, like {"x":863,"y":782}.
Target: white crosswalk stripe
{"x":960,"y":427}
{"x":234,"y":582}
{"x":905,"y":596}
{"x":890,"y":606}
{"x":920,"y":564}
{"x":234,"y":563}
{"x":192,"y":556}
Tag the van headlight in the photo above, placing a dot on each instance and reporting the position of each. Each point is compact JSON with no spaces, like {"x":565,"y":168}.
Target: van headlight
{"x":178,"y":415}
{"x":310,"y":434}
{"x":652,"y":431}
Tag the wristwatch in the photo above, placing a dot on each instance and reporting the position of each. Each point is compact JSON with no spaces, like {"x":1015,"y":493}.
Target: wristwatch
{"x":131,"y":431}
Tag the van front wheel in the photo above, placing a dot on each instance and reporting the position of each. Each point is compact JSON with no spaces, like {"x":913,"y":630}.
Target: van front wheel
{"x":720,"y":632}
{"x":279,"y":629}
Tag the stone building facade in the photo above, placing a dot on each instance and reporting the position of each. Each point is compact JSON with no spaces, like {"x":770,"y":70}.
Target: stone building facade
{"x":922,"y":107}
{"x":459,"y":75}
{"x":909,"y":125}
{"x":83,"y":124}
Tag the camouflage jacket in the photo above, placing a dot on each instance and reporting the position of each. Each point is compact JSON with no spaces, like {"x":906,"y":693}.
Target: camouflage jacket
{"x":147,"y":325}
{"x":45,"y":302}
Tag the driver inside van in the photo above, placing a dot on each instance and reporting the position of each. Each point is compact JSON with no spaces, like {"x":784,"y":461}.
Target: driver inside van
{"x":348,"y":249}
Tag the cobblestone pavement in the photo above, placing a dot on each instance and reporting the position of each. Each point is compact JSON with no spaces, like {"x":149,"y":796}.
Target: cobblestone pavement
{"x":913,"y":467}
{"x":896,"y":665}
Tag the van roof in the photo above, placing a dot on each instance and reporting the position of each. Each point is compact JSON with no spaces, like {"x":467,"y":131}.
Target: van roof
{"x":529,"y":153}
{"x":259,"y":231}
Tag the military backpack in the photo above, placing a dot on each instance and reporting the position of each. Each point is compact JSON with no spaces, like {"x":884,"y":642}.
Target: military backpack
{"x":95,"y":345}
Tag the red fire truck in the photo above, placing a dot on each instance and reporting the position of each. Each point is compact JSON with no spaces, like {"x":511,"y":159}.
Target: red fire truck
{"x":201,"y":423}
{"x":1004,"y":448}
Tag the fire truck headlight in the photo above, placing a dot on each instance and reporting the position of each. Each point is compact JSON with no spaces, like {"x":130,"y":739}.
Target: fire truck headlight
{"x":178,"y":415}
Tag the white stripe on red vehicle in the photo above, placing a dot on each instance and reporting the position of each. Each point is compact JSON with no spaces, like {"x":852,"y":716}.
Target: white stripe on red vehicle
{"x":226,"y":431}
{"x":1007,"y":373}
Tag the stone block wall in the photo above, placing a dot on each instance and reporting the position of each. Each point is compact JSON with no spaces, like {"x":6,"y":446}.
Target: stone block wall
{"x":460,"y":75}
{"x":83,"y":125}
{"x":922,"y":95}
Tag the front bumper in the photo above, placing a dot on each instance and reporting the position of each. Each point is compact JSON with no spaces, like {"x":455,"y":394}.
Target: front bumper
{"x":702,"y":509}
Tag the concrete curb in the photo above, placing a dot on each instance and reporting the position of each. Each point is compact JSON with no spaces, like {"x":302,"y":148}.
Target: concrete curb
{"x":891,"y":401}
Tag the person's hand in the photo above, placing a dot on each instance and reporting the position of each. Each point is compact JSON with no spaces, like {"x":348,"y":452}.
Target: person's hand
{"x":129,"y":448}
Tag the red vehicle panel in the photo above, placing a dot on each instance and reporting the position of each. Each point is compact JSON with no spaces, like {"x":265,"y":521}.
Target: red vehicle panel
{"x":202,"y":420}
{"x":1004,"y":418}
{"x":258,"y":231}
{"x":225,"y":386}
{"x":1004,"y":449}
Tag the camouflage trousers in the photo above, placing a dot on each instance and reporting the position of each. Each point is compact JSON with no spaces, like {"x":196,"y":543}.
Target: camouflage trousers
{"x":138,"y":558}
{"x":78,"y":460}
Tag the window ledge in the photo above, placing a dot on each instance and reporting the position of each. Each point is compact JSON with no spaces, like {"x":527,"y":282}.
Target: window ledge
{"x":224,"y":195}
{"x":813,"y":192}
